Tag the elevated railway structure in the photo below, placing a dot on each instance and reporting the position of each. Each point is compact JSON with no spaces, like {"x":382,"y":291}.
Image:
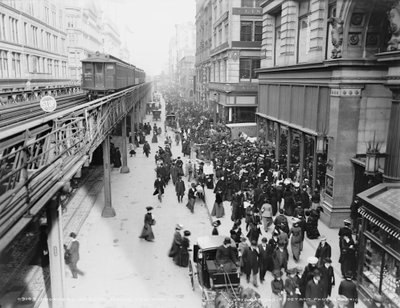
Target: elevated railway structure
{"x":41,"y":152}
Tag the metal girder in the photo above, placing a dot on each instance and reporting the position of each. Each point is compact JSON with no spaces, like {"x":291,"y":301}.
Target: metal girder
{"x":36,"y":157}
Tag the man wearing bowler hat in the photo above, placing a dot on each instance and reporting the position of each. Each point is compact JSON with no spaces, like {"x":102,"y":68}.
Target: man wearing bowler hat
{"x":315,"y":292}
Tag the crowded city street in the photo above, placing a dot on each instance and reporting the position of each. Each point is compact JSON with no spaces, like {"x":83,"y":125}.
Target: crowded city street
{"x":118,"y":269}
{"x":200,"y":153}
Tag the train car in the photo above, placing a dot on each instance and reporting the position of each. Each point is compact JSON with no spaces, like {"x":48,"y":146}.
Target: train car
{"x":103,"y":74}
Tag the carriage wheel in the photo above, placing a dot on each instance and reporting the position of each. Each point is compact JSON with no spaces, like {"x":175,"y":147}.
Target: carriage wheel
{"x":191,"y":274}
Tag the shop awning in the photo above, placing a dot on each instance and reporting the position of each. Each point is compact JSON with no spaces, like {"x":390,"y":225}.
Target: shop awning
{"x":380,"y":222}
{"x":291,"y":125}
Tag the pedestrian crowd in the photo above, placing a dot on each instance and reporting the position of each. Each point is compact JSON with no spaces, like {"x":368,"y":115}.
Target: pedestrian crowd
{"x":271,"y":210}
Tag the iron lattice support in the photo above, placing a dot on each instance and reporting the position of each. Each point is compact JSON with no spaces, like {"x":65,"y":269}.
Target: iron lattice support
{"x":38,"y":158}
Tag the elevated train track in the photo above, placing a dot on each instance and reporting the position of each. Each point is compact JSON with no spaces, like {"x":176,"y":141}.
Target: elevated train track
{"x":13,"y":115}
{"x":41,"y":154}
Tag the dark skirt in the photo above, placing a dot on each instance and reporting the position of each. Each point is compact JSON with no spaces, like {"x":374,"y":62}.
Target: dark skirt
{"x":147,"y":233}
{"x":182,"y":257}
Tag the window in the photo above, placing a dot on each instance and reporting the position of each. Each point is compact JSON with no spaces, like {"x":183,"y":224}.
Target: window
{"x":219,"y":35}
{"x":277,"y":38}
{"x":64,"y":69}
{"x":48,"y":43}
{"x":258,"y":31}
{"x":3,"y":64}
{"x":55,"y":45}
{"x":53,"y":17}
{"x":226,"y":32}
{"x":56,"y":68}
{"x":251,"y":31}
{"x":16,"y":65}
{"x":2,"y":27}
{"x":13,"y":30}
{"x":246,"y":30}
{"x":46,"y":14}
{"x":304,"y":30}
{"x":251,"y":3}
{"x":49,"y":66}
{"x":34,"y":36}
{"x":247,"y":67}
{"x":34,"y":65}
{"x":26,"y":33}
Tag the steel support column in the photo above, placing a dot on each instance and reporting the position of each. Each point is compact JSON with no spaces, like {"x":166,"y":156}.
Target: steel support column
{"x":133,"y":124}
{"x":56,"y":253}
{"x":108,"y":210}
{"x":315,"y":164}
{"x":124,"y":167}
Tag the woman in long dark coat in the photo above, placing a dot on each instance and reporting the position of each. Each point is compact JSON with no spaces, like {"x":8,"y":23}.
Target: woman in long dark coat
{"x":147,"y":231}
{"x":311,"y":226}
{"x":177,"y":241}
{"x":218,"y":209}
{"x":182,"y":257}
{"x":296,"y":241}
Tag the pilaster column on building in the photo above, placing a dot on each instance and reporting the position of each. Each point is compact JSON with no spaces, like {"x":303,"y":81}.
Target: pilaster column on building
{"x":108,"y":210}
{"x":278,"y":141}
{"x":301,"y":165}
{"x":55,"y":243}
{"x":315,"y":164}
{"x":343,"y":128}
{"x":289,"y":150}
{"x":268,"y":41}
{"x":392,"y":162}
{"x":317,"y":25}
{"x":124,"y":167}
{"x":289,"y":31}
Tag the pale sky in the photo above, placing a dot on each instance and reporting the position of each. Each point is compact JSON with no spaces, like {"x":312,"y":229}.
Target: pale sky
{"x":152,"y":23}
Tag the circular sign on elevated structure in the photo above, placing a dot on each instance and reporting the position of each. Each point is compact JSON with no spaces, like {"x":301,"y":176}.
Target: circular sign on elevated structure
{"x":48,"y":103}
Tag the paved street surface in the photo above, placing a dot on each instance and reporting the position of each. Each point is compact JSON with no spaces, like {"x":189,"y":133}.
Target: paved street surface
{"x":121,"y":270}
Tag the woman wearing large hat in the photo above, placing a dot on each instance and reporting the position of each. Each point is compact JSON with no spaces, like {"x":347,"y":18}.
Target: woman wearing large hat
{"x":147,"y":231}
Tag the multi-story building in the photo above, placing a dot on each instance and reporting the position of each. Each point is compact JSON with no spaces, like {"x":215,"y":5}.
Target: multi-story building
{"x":111,"y":38}
{"x":328,"y":93}
{"x":83,"y":26}
{"x":182,"y":44}
{"x":33,"y":49}
{"x":186,"y":74}
{"x":236,"y":27}
{"x":203,"y":47}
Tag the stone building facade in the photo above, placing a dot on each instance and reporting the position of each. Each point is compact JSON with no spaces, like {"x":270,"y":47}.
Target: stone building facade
{"x":328,"y":92}
{"x":234,"y":57}
{"x":33,"y":50}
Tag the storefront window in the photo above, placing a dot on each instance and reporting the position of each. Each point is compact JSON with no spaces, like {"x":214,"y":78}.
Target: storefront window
{"x":381,"y":274}
{"x":372,"y":266}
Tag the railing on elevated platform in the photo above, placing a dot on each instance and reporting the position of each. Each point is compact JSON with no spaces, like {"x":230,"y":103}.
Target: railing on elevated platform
{"x":37,"y":158}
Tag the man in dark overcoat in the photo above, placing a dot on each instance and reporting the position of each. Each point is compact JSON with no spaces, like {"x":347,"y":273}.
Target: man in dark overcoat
{"x":251,"y":262}
{"x":265,"y":258}
{"x":73,"y":249}
{"x":323,"y":251}
{"x":180,"y":189}
{"x":327,"y":276}
{"x":347,"y":257}
{"x":280,"y":257}
{"x":292,"y":290}
{"x":315,"y":292}
{"x":349,"y":289}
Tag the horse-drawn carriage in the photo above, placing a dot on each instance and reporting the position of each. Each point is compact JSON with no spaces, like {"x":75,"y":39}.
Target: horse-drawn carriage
{"x":220,"y":287}
{"x":156,"y":115}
